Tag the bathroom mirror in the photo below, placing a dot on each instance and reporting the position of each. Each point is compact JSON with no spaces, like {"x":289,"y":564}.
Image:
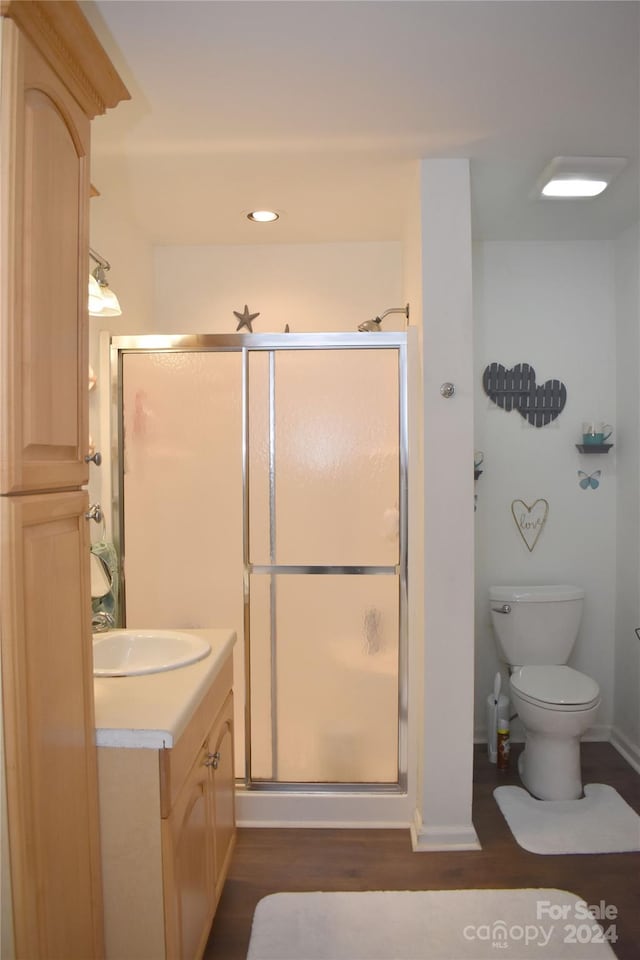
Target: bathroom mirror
{"x":100,"y":578}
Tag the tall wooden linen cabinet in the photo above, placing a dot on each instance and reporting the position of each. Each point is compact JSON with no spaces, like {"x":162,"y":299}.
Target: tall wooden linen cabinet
{"x":55,"y":78}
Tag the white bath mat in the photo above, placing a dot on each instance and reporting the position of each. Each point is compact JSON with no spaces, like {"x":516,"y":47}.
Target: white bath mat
{"x":600,"y":822}
{"x":428,"y":925}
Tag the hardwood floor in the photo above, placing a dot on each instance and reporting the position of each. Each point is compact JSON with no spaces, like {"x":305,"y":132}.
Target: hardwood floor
{"x":268,"y":861}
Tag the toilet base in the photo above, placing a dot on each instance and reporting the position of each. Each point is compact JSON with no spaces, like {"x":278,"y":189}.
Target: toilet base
{"x":549,"y":767}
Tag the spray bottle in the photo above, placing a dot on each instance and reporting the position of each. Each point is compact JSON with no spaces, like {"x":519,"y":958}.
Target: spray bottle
{"x":504,"y":744}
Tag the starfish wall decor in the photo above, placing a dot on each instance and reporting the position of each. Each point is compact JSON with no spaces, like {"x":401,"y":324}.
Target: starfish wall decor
{"x":245,"y":319}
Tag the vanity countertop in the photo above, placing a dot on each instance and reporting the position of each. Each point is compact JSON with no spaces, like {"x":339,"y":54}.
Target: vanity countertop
{"x":151,"y":711}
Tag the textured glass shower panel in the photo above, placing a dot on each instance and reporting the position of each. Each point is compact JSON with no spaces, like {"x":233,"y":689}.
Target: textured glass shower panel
{"x":334,"y":466}
{"x":260,"y":459}
{"x":183,"y":495}
{"x":324,"y":687}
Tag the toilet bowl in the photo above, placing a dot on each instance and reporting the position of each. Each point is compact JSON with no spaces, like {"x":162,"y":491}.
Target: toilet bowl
{"x":536,"y":628}
{"x":556,"y":705}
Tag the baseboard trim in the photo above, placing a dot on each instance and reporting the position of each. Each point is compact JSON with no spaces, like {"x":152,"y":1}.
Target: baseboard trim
{"x":426,"y":839}
{"x":255,"y":808}
{"x":600,"y":733}
{"x":626,"y":748}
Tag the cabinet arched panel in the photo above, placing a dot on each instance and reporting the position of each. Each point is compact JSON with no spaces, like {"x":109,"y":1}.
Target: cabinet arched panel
{"x":50,"y":276}
{"x":45,"y":264}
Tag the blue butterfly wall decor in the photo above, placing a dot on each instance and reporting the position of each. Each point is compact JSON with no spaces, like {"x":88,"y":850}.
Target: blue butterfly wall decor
{"x":589,"y":480}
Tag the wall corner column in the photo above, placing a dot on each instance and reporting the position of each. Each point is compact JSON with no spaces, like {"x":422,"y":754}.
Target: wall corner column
{"x":443,"y":816}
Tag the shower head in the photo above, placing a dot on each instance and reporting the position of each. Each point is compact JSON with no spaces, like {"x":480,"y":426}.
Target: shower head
{"x":370,"y":325}
{"x":376,"y":323}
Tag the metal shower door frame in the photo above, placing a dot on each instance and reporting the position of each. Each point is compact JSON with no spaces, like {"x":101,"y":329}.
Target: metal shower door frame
{"x":272,"y":344}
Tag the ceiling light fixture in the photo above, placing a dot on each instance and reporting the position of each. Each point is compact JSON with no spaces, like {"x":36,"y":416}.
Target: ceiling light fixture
{"x":102,"y":300}
{"x":578,"y":176}
{"x":573,"y":187}
{"x":263,"y":216}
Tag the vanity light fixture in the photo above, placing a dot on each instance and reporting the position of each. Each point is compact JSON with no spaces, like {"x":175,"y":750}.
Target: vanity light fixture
{"x":95,"y":296}
{"x":575,"y":177}
{"x":263,"y":216}
{"x":102,"y":301}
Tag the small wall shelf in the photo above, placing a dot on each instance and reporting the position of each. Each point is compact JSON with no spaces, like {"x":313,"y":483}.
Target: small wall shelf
{"x":594,"y":447}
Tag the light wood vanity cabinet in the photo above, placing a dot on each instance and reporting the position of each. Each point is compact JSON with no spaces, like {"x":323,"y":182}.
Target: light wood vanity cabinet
{"x":55,"y":77}
{"x":168,"y":831}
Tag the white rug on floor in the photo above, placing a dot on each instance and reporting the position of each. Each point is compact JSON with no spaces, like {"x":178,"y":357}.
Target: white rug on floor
{"x":427,"y":925}
{"x":599,"y":822}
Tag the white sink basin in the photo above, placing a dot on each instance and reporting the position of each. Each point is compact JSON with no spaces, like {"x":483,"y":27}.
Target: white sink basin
{"x":128,"y":653}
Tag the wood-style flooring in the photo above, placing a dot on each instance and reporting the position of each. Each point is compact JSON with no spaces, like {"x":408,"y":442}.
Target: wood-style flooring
{"x":270,"y":861}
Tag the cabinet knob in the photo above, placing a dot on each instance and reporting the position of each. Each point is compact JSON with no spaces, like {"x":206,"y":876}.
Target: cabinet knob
{"x":94,"y":513}
{"x":213,"y":759}
{"x":96,"y":458}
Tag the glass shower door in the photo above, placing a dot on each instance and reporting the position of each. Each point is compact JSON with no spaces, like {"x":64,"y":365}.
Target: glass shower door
{"x":324,"y":560}
{"x":182,"y":498}
{"x":262,"y":489}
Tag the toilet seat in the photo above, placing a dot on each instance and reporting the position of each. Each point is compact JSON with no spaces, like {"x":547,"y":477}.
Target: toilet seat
{"x":555,"y":687}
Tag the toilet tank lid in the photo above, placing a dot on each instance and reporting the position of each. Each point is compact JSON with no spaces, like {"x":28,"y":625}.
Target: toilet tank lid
{"x":539,"y":594}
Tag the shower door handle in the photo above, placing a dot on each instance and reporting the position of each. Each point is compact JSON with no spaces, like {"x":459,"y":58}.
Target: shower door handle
{"x":505,"y":608}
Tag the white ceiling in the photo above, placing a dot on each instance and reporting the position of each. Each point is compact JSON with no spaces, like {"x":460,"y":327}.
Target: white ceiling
{"x":320,"y":108}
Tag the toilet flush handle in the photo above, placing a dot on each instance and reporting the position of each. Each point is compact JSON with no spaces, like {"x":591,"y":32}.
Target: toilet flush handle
{"x":505,"y":608}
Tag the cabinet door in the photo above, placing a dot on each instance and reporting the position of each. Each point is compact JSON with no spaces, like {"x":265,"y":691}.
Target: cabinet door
{"x":188,"y":866}
{"x":47,"y":678}
{"x":44,"y":266}
{"x":224,"y":821}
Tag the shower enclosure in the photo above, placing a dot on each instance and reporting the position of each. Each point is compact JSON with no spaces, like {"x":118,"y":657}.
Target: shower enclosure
{"x":261,"y":485}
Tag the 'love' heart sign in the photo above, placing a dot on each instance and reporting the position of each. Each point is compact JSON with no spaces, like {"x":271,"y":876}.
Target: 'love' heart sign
{"x":530,"y":520}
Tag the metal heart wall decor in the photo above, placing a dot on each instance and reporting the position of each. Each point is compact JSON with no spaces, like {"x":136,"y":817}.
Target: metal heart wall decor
{"x":515,"y":389}
{"x":530,"y":520}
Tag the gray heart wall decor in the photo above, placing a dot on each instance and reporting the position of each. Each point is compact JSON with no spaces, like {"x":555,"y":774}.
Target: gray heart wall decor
{"x":515,"y":388}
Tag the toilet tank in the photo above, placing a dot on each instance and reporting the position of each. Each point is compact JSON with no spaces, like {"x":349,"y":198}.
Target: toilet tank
{"x":542,"y":623}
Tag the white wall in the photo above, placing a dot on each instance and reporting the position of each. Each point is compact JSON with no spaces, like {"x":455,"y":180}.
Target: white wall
{"x":550,"y":305}
{"x":116,"y":238}
{"x":312,"y":287}
{"x":626,"y":734}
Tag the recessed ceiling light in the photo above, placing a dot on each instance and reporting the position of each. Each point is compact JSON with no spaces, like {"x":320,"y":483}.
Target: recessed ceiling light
{"x":263,"y":216}
{"x":578,"y":176}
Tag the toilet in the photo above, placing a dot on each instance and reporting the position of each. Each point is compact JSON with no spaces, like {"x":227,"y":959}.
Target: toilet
{"x":536,"y":628}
